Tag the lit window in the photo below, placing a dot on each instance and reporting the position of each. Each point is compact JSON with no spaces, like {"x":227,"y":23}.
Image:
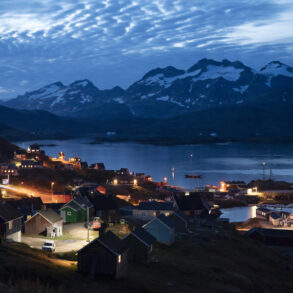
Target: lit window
{"x":10,"y":225}
{"x":119,"y":258}
{"x":167,"y":214}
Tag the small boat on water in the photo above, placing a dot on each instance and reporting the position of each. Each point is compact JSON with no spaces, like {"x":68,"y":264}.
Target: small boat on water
{"x":192,"y":176}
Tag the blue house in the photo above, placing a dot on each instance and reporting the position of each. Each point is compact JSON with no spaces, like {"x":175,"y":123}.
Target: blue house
{"x":162,"y":228}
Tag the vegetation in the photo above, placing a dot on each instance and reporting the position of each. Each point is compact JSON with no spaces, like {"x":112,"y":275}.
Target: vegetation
{"x":209,"y":260}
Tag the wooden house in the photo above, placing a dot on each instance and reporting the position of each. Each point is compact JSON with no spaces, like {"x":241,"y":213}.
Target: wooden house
{"x":76,"y":210}
{"x":191,"y":205}
{"x":263,"y":213}
{"x":147,"y":210}
{"x":45,"y":221}
{"x":10,"y":222}
{"x":27,"y":206}
{"x":272,"y":237}
{"x":34,"y":149}
{"x":106,"y":255}
{"x":180,"y":221}
{"x":98,"y":166}
{"x":20,"y":155}
{"x":275,"y":219}
{"x":140,"y":245}
{"x":162,"y":228}
{"x":30,"y":164}
{"x":8,"y":169}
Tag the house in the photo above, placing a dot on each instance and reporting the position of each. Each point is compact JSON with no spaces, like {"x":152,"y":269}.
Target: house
{"x":20,"y":155}
{"x":45,"y":221}
{"x":27,"y":206}
{"x":263,"y":213}
{"x":124,"y":179}
{"x":147,"y":210}
{"x":76,"y":210}
{"x":191,"y":205}
{"x":98,"y":166}
{"x":105,"y":206}
{"x":34,"y":149}
{"x":30,"y":164}
{"x":180,"y":221}
{"x":273,"y":237}
{"x":275,"y":219}
{"x":106,"y":255}
{"x":10,"y":222}
{"x":140,"y":245}
{"x":8,"y":169}
{"x":162,"y":228}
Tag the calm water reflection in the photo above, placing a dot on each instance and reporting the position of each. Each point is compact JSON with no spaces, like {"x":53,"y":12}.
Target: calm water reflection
{"x":215,"y":162}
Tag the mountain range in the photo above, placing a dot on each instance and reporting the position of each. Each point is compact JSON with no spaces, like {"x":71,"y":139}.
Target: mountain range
{"x":209,"y":101}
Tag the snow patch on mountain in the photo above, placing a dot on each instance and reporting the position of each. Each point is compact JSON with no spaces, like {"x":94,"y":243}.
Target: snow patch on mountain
{"x":277,"y":68}
{"x":241,"y":89}
{"x":118,"y":100}
{"x":213,"y":72}
{"x":166,"y":98}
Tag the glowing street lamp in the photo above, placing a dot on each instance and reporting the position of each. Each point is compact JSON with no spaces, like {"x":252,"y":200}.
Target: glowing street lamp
{"x":135,"y":182}
{"x":52,"y":187}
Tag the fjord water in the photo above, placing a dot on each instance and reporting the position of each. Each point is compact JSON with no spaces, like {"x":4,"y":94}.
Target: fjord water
{"x":214,"y":162}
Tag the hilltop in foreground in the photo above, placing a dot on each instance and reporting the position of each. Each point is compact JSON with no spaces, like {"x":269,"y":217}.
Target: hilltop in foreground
{"x":211,"y":260}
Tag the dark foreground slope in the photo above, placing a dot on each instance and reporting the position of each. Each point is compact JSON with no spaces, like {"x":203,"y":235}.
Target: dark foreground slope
{"x":208,"y":261}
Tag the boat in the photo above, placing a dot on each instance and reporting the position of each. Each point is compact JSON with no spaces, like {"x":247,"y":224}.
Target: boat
{"x":192,"y":176}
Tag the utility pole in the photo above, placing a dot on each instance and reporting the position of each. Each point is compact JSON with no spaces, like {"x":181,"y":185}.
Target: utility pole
{"x":263,"y":170}
{"x":88,"y":225}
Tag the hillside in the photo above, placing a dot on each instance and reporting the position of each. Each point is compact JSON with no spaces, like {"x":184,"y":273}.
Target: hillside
{"x":208,"y":261}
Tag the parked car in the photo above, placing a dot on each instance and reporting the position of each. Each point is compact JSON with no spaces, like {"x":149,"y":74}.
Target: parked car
{"x":49,"y":245}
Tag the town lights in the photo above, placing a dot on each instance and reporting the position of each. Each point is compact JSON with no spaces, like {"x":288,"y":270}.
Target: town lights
{"x":135,"y":182}
{"x":115,"y":181}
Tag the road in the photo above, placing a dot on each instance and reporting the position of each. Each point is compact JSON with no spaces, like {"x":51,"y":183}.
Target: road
{"x":75,"y":236}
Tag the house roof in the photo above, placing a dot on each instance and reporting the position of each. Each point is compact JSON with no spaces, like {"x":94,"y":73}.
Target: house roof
{"x":180,"y":215}
{"x":144,"y":236}
{"x":275,"y":215}
{"x":271,"y":232}
{"x":164,"y":220}
{"x":29,"y":203}
{"x":8,"y":212}
{"x":155,"y":205}
{"x":110,"y":241}
{"x":50,"y":215}
{"x":265,"y":210}
{"x":190,"y":202}
{"x":73,"y":205}
{"x":83,"y":201}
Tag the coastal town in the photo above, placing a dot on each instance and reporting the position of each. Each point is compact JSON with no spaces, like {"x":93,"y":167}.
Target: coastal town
{"x":109,"y":220}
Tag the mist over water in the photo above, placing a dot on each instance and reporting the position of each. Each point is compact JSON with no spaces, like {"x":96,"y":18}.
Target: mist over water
{"x":215,"y":162}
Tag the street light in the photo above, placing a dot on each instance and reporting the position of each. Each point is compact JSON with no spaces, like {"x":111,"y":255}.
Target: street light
{"x":263,"y":170}
{"x":52,"y":187}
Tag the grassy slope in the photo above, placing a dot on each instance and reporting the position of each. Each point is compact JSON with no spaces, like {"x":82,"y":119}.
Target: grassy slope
{"x":205,"y":262}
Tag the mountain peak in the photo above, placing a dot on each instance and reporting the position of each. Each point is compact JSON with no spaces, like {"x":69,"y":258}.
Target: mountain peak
{"x":168,"y":71}
{"x":275,"y":68}
{"x":82,"y":83}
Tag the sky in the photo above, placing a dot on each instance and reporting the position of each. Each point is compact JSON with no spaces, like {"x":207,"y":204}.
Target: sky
{"x":115,"y":42}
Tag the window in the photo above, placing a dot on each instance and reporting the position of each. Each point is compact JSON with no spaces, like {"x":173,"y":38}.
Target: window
{"x":68,"y":213}
{"x":10,"y":225}
{"x":167,"y":214}
{"x":119,"y":258}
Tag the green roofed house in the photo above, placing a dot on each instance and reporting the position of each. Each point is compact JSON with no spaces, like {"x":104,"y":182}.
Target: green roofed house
{"x":76,"y":210}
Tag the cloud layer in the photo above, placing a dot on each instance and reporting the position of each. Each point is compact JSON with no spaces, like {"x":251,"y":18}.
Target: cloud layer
{"x":116,"y":41}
